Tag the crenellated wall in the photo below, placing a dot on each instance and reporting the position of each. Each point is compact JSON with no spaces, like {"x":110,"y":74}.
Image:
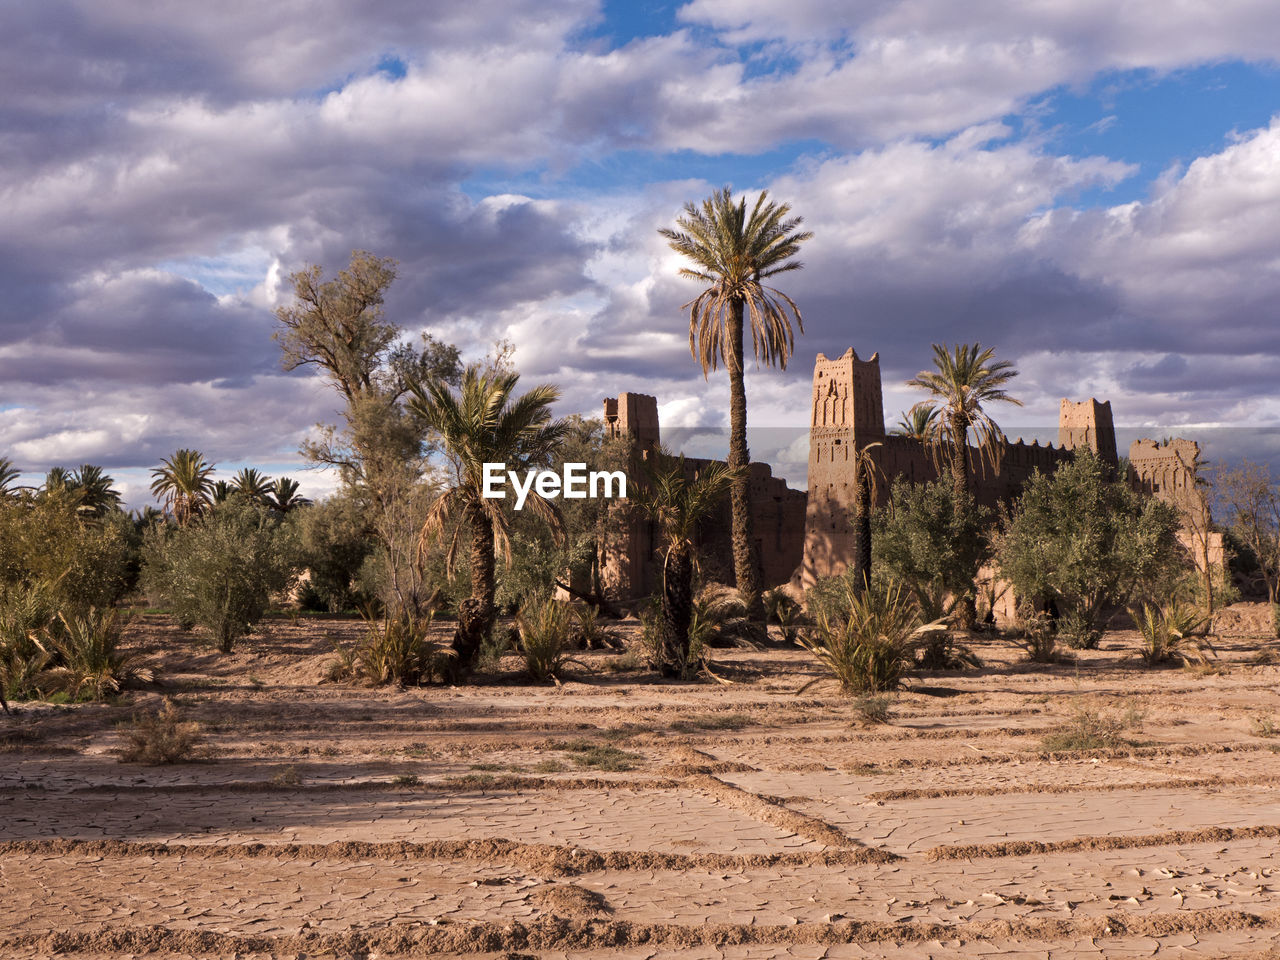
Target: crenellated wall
{"x":630,"y":563}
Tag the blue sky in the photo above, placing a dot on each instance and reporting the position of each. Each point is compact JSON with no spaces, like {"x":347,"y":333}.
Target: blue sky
{"x":1091,"y":187}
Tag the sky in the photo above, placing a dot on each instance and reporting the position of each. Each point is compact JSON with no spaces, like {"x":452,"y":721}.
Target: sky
{"x":1092,"y":187}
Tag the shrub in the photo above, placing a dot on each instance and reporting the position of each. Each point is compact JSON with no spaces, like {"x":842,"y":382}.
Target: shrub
{"x":1275,"y":620}
{"x":161,"y":737}
{"x":1036,"y":635}
{"x":873,"y":646}
{"x":26,"y":610}
{"x":220,"y":571}
{"x":587,"y":632}
{"x":1087,"y":541}
{"x":544,"y":637}
{"x":1077,"y":631}
{"x":923,"y":542}
{"x":1088,"y":729}
{"x":88,"y":648}
{"x":334,"y":539}
{"x":782,"y":609}
{"x":939,"y":651}
{"x":874,"y":708}
{"x":1167,"y":634}
{"x":397,"y":649}
{"x":82,"y":562}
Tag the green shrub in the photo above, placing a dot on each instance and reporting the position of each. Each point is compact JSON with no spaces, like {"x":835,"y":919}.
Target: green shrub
{"x":221,"y":570}
{"x":1088,"y":541}
{"x":26,"y":610}
{"x":1168,"y":634}
{"x":939,"y":651}
{"x":873,"y":646}
{"x":335,"y":537}
{"x":82,"y":562}
{"x":544,"y":637}
{"x":87,"y":647}
{"x":397,"y":649}
{"x":1077,"y":631}
{"x":922,"y":541}
{"x":874,"y":708}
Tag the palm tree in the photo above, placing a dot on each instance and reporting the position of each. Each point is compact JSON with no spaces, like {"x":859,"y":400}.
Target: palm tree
{"x":97,"y":491}
{"x":57,"y":481}
{"x":918,"y":423}
{"x":252,"y":484}
{"x":966,"y":377}
{"x":184,"y":484}
{"x":284,"y":496}
{"x":480,"y":424}
{"x":8,"y":474}
{"x":732,"y":252}
{"x":676,"y":502}
{"x":864,"y":475}
{"x":220,"y":493}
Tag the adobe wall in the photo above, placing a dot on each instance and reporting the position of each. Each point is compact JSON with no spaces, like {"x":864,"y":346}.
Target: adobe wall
{"x":630,"y":566}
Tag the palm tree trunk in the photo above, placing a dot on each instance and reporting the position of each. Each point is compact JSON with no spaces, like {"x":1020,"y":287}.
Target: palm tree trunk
{"x":862,"y":532}
{"x":962,"y":503}
{"x":677,"y":609}
{"x":745,"y":570}
{"x":475,"y":614}
{"x":959,"y":456}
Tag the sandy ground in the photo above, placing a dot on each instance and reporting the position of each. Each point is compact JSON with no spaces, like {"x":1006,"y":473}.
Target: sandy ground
{"x":339,"y":821}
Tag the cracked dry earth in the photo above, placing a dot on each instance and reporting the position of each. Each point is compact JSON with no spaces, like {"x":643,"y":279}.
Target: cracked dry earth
{"x":338,"y":821}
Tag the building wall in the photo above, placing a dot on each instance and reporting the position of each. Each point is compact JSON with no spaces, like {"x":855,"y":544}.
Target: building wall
{"x":630,"y":563}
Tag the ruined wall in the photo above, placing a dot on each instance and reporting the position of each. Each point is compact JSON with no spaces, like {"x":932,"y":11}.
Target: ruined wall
{"x":630,"y":566}
{"x":1166,"y":470}
{"x":1088,"y":423}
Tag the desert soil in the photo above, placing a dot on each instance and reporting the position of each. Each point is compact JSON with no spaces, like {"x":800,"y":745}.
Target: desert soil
{"x":497,"y":820}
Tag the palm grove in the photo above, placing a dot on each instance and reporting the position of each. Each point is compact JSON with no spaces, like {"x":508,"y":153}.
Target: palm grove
{"x":409,"y":534}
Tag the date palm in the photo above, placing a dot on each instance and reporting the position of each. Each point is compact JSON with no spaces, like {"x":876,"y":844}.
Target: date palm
{"x":284,"y":497}
{"x":252,"y":484}
{"x":96,"y":489}
{"x":484,"y":423}
{"x":733,"y":251}
{"x":184,"y":484}
{"x":918,"y":423}
{"x":8,"y":478}
{"x":966,"y":377}
{"x":676,"y":501}
{"x":865,"y":471}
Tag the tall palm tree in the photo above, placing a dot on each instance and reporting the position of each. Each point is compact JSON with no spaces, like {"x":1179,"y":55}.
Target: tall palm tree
{"x":284,"y":497}
{"x":732,"y":252}
{"x":97,"y":491}
{"x":966,"y":378}
{"x":918,"y":423}
{"x":482,"y":423}
{"x":220,"y":493}
{"x":184,"y":484}
{"x":864,"y":475}
{"x":252,"y":484}
{"x":676,"y":502}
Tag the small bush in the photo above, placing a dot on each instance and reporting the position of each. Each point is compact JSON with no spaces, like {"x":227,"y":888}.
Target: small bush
{"x":874,"y":708}
{"x":597,"y":756}
{"x":586,"y":631}
{"x":1264,"y":726}
{"x":1037,"y":636}
{"x":397,"y":649}
{"x":939,"y":651}
{"x":544,"y":638}
{"x":162,"y":737}
{"x":221,"y":570}
{"x":873,"y":647}
{"x":88,"y":648}
{"x":1275,"y":620}
{"x":1167,"y":635}
{"x":26,"y":610}
{"x":711,"y":721}
{"x":1090,"y":728}
{"x":1076,"y":630}
{"x":781,"y":609}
